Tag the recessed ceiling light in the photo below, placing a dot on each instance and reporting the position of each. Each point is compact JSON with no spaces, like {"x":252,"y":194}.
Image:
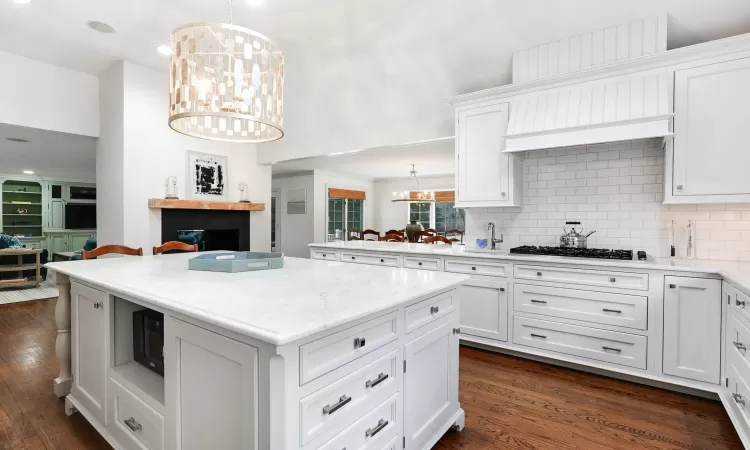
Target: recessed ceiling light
{"x":16,"y":140}
{"x":20,"y":2}
{"x":100,"y":27}
{"x":164,"y":50}
{"x":28,"y":172}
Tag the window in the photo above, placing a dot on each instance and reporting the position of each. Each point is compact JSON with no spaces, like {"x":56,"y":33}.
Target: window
{"x":346,"y":209}
{"x":441,"y":215}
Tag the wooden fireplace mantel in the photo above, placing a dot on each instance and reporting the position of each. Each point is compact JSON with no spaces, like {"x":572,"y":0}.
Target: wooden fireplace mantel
{"x":160,"y":203}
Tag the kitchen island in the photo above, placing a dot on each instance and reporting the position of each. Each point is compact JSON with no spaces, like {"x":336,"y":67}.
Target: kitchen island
{"x":317,"y":355}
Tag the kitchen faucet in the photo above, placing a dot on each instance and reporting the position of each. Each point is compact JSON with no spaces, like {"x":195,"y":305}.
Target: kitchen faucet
{"x":493,"y":241}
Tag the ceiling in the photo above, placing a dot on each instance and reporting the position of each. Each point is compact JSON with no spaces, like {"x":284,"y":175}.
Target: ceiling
{"x":432,"y":158}
{"x":48,"y":153}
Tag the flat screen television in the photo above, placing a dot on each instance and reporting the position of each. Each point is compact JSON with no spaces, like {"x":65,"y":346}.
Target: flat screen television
{"x":80,"y":216}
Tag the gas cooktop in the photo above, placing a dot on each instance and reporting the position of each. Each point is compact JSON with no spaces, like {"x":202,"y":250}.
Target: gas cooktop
{"x":600,"y":253}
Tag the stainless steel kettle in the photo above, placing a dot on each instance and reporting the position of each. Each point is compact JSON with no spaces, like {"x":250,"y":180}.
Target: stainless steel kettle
{"x":573,"y":238}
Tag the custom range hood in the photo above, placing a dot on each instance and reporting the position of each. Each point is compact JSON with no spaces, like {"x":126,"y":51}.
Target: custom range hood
{"x":619,"y":108}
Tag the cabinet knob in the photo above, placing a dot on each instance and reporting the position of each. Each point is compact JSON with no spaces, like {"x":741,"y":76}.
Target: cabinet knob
{"x":98,"y":305}
{"x":503,"y":194}
{"x":324,"y":255}
{"x":382,"y":260}
{"x":612,"y":279}
{"x":420,"y":263}
{"x":740,"y":303}
{"x":359,"y":342}
{"x":740,"y":346}
{"x":738,"y":399}
{"x":672,"y":286}
{"x":539,"y":274}
{"x":473,"y":268}
{"x":679,"y":187}
{"x":434,"y":309}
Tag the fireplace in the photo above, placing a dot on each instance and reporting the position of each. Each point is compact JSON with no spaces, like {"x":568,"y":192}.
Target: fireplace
{"x":211,"y":230}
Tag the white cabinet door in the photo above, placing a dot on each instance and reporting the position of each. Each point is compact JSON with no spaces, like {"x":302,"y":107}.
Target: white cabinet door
{"x":211,"y":383}
{"x":88,"y":314}
{"x":692,"y":328}
{"x":711,"y":140}
{"x":484,"y":309}
{"x":484,"y":171}
{"x":57,"y":243}
{"x":56,"y":214}
{"x":430,"y":383}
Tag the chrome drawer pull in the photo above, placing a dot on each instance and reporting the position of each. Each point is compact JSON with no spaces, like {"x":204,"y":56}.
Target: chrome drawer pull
{"x":434,"y":309}
{"x":672,"y":286}
{"x":539,"y":274}
{"x":133,"y":425}
{"x":740,"y":303}
{"x":538,"y":301}
{"x":740,"y":346}
{"x":370,"y":432}
{"x":473,"y":268}
{"x":502,"y":289}
{"x":330,"y":409}
{"x":604,"y":347}
{"x":372,"y":383}
{"x":612,"y":310}
{"x":738,"y":399}
{"x":359,"y":342}
{"x":538,"y":335}
{"x":612,"y":279}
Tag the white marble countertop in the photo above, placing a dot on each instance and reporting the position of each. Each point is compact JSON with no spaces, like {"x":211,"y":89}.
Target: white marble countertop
{"x":738,"y":273}
{"x":275,"y":306}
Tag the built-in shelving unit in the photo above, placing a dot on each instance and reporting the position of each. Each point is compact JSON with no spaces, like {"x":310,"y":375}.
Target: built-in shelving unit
{"x":22,"y":195}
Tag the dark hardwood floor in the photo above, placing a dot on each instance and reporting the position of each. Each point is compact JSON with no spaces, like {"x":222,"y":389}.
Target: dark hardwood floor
{"x":510,"y":403}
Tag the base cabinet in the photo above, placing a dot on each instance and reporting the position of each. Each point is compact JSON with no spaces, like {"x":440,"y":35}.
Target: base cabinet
{"x":692,"y":328}
{"x":484,"y":309}
{"x":208,"y":374}
{"x":89,"y":342}
{"x":430,"y":383}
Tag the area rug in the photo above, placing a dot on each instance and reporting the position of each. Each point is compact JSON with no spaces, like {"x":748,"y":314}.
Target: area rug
{"x":47,"y":289}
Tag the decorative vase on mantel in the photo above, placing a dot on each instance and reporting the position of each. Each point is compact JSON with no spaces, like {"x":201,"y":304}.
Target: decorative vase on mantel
{"x":412,"y":228}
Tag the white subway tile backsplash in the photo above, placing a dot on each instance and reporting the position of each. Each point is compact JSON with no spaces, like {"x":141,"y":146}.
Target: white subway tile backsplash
{"x":616,"y":189}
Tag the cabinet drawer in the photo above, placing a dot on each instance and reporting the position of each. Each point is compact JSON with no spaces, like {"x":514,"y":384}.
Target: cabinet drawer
{"x":375,"y":431}
{"x":598,"y":307}
{"x":324,"y":254}
{"x":601,"y":345}
{"x":476,"y":267}
{"x":738,"y":338}
{"x":371,"y":258}
{"x":336,"y":406}
{"x":331,"y":352}
{"x":738,"y":373}
{"x":418,"y":262}
{"x":622,"y":280}
{"x":134,"y":424}
{"x":741,"y":304}
{"x":429,"y":310}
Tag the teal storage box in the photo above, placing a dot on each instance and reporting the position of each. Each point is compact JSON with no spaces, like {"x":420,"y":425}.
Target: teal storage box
{"x":232,"y":262}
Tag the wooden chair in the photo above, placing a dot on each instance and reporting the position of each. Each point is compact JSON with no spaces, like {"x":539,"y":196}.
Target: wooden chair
{"x":354,"y":234}
{"x":398,"y":232}
{"x":175,"y":245}
{"x":111,"y":249}
{"x":455,"y":231}
{"x":392,"y":237}
{"x":432,"y":231}
{"x":370,"y":232}
{"x":436,"y":239}
{"x":420,"y":235}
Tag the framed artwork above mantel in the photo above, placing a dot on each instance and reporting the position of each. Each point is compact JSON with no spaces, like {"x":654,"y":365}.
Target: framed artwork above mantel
{"x":207,"y":176}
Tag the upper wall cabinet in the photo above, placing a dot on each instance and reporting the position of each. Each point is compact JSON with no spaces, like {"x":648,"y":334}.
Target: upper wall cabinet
{"x":485,"y":176}
{"x":710,"y":155}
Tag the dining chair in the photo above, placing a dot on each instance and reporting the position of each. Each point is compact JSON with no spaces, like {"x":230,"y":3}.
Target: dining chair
{"x":111,"y":249}
{"x":432,"y":231}
{"x":398,"y":232}
{"x":370,"y":232}
{"x":175,"y":245}
{"x":354,"y":234}
{"x":392,"y":237}
{"x":453,"y":232}
{"x":420,"y":235}
{"x":436,"y":239}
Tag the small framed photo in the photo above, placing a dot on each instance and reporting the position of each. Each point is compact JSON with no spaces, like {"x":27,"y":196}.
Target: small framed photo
{"x":207,"y":176}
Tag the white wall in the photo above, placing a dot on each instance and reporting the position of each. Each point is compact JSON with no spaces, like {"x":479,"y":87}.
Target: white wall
{"x":296,"y":229}
{"x":326,"y":180}
{"x":39,"y":95}
{"x":393,"y":216}
{"x":617,"y":190}
{"x":152,"y":152}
